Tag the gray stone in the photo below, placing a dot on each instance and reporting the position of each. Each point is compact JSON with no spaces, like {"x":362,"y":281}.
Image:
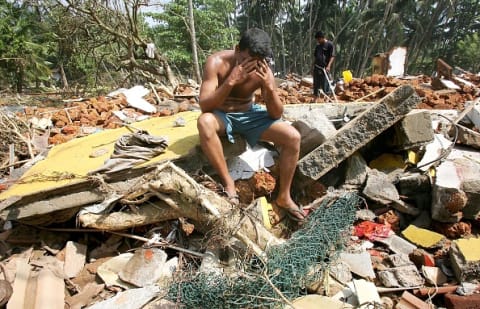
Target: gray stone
{"x":379,"y":188}
{"x":358,"y":132}
{"x":398,"y":245}
{"x":403,"y":276}
{"x":131,"y":299}
{"x":359,"y":263}
{"x":399,"y":259}
{"x":145,"y":267}
{"x":414,"y":130}
{"x":356,"y":173}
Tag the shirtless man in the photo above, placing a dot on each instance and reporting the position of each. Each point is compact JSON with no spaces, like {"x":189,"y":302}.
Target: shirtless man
{"x":230,"y":79}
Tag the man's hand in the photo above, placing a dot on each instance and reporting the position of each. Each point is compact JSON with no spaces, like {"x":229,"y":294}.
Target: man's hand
{"x":240,"y":72}
{"x":266,"y":76}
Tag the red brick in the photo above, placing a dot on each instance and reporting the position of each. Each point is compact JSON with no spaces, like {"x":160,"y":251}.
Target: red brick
{"x":454,"y":301}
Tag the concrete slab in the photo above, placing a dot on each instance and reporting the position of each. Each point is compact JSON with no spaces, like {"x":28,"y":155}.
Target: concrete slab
{"x":359,"y":132}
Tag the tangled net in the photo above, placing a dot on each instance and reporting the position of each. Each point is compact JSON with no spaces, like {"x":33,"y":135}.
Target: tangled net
{"x":289,"y":268}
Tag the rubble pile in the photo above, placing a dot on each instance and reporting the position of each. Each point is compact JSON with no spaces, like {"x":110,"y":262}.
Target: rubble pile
{"x":162,"y":233}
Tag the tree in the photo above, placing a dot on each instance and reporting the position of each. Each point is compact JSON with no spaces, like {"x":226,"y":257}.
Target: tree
{"x":24,"y":43}
{"x":116,"y":26}
{"x":213,"y":27}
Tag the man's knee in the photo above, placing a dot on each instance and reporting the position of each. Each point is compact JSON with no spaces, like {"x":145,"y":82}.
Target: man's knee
{"x":207,"y":122}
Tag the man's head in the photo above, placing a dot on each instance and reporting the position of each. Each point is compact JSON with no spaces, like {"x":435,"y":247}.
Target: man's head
{"x":320,"y":36}
{"x":257,"y":43}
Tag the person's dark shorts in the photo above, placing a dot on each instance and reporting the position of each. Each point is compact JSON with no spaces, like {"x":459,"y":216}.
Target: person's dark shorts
{"x":251,"y":124}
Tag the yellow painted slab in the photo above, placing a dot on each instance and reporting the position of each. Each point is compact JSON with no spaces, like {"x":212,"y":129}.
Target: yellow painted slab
{"x":70,"y":162}
{"x":422,"y":237}
{"x":470,"y":248}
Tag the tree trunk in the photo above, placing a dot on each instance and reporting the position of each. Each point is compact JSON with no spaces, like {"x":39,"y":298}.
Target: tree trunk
{"x":193,"y":37}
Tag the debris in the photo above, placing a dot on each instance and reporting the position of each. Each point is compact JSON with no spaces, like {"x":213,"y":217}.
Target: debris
{"x":367,"y":294}
{"x":368,"y":125}
{"x":465,"y":258}
{"x":75,"y":256}
{"x":409,"y":301}
{"x":359,"y":263}
{"x":109,"y":270}
{"x":422,"y":237}
{"x":132,"y":299}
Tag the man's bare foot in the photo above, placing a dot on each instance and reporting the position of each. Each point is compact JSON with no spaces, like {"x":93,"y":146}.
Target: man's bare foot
{"x":292,"y":210}
{"x":232,"y":196}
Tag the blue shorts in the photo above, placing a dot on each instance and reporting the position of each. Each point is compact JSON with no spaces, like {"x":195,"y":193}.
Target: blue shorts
{"x":250,"y":124}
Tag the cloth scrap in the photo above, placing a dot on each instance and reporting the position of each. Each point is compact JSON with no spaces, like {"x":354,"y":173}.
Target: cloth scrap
{"x":133,"y":149}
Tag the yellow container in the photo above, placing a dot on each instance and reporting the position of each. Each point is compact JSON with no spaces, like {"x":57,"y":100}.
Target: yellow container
{"x":347,"y":76}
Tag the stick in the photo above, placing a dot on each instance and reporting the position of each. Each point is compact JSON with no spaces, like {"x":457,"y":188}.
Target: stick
{"x":155,"y":92}
{"x":368,"y":95}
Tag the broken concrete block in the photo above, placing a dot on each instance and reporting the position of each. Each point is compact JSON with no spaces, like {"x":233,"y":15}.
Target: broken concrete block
{"x":399,"y":259}
{"x":75,"y":256}
{"x":359,"y":263}
{"x":131,"y":299}
{"x":465,"y":258}
{"x":379,"y":187}
{"x":109,"y":270}
{"x":465,"y":136}
{"x":311,"y":137}
{"x":356,"y":171}
{"x":434,"y":275}
{"x":414,"y":130}
{"x":359,"y":132}
{"x":422,"y":237}
{"x":397,"y":244}
{"x":145,"y":267}
{"x":366,"y":293}
{"x":403,"y":276}
{"x":313,"y":120}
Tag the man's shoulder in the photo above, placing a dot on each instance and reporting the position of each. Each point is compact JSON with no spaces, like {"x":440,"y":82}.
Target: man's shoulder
{"x":222,"y":54}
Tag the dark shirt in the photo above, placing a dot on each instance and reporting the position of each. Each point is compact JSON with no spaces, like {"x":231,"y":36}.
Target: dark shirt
{"x":323,"y":53}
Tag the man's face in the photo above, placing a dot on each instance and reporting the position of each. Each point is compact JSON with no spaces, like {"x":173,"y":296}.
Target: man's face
{"x":321,"y":40}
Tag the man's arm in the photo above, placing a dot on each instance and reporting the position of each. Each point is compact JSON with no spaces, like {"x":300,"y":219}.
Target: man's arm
{"x":211,"y":95}
{"x":332,"y":58}
{"x":269,"y":93}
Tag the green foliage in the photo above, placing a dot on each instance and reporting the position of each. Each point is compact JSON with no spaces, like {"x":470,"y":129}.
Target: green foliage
{"x":24,"y":45}
{"x":469,"y":53}
{"x":171,"y":32}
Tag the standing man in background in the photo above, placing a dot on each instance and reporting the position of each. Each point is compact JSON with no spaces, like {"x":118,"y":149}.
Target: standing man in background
{"x":323,"y":57}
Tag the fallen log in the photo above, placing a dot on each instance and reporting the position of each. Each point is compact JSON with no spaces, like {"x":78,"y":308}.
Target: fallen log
{"x":168,"y":193}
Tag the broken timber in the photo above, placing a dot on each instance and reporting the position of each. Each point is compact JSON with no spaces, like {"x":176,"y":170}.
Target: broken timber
{"x":359,"y":132}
